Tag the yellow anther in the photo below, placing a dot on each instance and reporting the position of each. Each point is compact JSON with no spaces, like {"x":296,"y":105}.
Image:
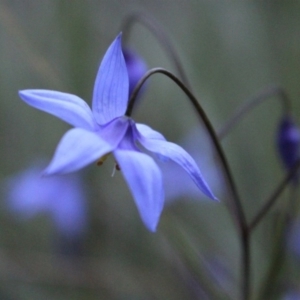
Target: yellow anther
{"x":102,"y":159}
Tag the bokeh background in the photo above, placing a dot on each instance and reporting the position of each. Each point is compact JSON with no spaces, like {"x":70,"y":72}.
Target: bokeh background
{"x":230,"y":50}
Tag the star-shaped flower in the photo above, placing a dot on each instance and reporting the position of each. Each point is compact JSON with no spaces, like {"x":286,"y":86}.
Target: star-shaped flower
{"x":105,"y":129}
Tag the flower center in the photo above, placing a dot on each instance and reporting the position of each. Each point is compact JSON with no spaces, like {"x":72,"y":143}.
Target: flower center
{"x":104,"y":158}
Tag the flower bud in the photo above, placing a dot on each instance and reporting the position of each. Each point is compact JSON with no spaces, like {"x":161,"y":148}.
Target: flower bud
{"x":288,"y":142}
{"x":136,"y":68}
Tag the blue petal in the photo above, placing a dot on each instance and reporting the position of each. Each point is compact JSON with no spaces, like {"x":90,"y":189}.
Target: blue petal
{"x":145,"y":182}
{"x":148,"y":132}
{"x":111,"y":86}
{"x":114,"y":131}
{"x":77,"y":149}
{"x":67,"y":107}
{"x":178,"y":155}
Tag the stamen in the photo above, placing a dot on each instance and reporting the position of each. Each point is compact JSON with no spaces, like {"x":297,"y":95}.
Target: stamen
{"x":116,"y":167}
{"x":113,"y":172}
{"x":102,"y":159}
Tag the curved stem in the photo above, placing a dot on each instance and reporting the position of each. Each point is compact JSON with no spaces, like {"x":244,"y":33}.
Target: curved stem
{"x":252,"y":103}
{"x":160,"y":35}
{"x":274,"y":196}
{"x":237,"y":208}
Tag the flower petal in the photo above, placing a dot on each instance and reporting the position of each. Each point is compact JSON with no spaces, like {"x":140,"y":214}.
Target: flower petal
{"x":110,"y":95}
{"x":77,"y":149}
{"x":148,"y":132}
{"x":67,"y":107}
{"x":145,"y":182}
{"x":180,"y":156}
{"x":114,"y":131}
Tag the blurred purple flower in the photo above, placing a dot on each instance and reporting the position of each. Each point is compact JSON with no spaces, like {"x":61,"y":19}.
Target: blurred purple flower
{"x":105,"y":129}
{"x":293,"y":237}
{"x":62,"y":197}
{"x":136,"y":68}
{"x":292,"y":295}
{"x":176,"y":182}
{"x":288,"y":142}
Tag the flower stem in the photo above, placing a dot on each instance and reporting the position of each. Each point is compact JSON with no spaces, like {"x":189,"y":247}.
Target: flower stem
{"x":236,"y":205}
{"x":160,"y":35}
{"x":252,"y":103}
{"x":274,"y":196}
{"x":284,"y":220}
{"x":246,"y":258}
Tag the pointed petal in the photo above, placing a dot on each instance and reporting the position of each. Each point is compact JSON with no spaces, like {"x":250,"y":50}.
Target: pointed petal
{"x":77,"y":149}
{"x":111,"y":86}
{"x":148,"y":132}
{"x":67,"y":107}
{"x":145,"y":182}
{"x":179,"y":156}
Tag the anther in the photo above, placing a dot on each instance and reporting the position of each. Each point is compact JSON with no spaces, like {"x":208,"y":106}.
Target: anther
{"x":102,"y":159}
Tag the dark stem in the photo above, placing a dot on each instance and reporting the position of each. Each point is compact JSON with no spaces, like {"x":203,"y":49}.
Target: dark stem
{"x":283,"y":221}
{"x":160,"y":35}
{"x":237,"y":208}
{"x":274,"y":196}
{"x":246,"y":258}
{"x":252,"y":103}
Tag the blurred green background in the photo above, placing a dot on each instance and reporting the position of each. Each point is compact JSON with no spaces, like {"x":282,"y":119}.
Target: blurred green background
{"x":230,"y":50}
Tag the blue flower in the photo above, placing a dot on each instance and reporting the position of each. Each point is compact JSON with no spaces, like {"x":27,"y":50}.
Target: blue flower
{"x":61,"y":197}
{"x":105,"y":129}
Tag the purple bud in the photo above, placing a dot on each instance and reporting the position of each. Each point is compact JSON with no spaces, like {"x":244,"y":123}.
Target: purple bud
{"x":136,"y":67}
{"x":288,"y":142}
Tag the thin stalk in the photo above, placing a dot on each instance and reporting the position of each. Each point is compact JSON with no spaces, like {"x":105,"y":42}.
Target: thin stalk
{"x":251,"y":103}
{"x":161,"y":36}
{"x":246,"y":258}
{"x":274,"y":196}
{"x":287,"y":216}
{"x":238,"y":211}
{"x":278,"y":258}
